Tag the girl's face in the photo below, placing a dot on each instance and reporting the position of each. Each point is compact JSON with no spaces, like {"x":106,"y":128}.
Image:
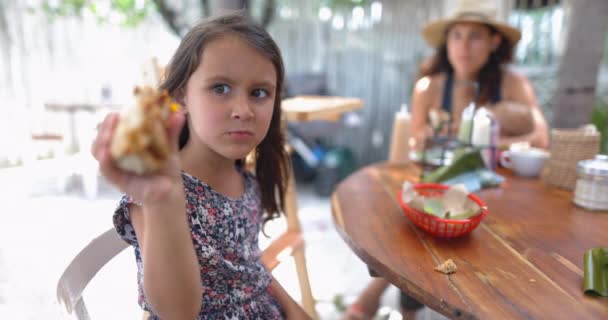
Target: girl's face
{"x":230,"y":98}
{"x":469,"y":47}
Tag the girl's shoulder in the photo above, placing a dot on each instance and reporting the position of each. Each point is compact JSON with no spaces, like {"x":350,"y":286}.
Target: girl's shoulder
{"x":195,"y":187}
{"x":251,"y":182}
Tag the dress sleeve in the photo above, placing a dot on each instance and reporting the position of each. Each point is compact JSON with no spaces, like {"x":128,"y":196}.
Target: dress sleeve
{"x":122,"y":221}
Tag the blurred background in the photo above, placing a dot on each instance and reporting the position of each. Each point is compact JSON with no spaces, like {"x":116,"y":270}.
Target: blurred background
{"x":66,"y":63}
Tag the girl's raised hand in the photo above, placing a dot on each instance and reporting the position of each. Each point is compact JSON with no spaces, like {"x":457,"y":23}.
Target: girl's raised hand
{"x":151,"y":188}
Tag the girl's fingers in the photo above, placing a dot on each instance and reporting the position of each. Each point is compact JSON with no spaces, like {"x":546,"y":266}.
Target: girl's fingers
{"x":102,"y":145}
{"x":176,"y":122}
{"x":109,"y":129}
{"x":97,"y":143}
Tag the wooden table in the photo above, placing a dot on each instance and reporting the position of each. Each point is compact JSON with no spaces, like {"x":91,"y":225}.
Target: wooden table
{"x":303,"y":108}
{"x":327,"y":108}
{"x":523,"y":262}
{"x":71,"y":109}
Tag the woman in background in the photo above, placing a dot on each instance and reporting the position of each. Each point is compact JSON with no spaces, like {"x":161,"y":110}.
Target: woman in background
{"x":470,"y":64}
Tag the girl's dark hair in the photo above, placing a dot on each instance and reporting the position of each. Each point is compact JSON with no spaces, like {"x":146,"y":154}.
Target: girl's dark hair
{"x":271,"y":159}
{"x":490,"y":75}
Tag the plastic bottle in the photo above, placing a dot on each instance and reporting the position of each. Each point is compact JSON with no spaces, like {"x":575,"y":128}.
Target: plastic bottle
{"x":485,"y":136}
{"x":400,"y":146}
{"x":466,"y":123}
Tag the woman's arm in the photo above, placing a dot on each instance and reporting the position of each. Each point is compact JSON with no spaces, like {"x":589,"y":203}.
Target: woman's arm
{"x":518,"y":90}
{"x":421,"y":101}
{"x":292,"y":309}
{"x":515,"y":118}
{"x":537,"y":138}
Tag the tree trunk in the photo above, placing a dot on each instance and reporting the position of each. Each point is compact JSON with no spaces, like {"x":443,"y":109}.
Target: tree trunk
{"x":174,"y":18}
{"x":170,"y":16}
{"x":268,"y":9}
{"x":575,"y":95}
{"x":218,"y":6}
{"x":6,"y":79}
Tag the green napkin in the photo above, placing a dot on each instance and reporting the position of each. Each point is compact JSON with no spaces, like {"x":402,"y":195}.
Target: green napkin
{"x":463,"y":163}
{"x":596,"y":271}
{"x":476,"y":180}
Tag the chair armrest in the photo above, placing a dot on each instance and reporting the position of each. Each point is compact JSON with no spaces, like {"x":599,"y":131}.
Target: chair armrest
{"x":280,"y":248}
{"x":85,"y":266}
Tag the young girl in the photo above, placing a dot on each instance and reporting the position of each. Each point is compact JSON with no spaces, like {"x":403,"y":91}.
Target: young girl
{"x":194,"y":225}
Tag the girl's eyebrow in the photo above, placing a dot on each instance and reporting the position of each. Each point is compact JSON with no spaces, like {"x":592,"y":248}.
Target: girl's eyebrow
{"x":217,"y":79}
{"x":265,"y":84}
{"x":262,"y":83}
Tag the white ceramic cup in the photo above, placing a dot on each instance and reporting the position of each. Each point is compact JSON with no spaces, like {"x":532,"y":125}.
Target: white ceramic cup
{"x":525,"y":162}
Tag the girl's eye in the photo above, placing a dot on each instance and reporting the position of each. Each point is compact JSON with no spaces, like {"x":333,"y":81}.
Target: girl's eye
{"x":260,"y":93}
{"x":221,"y":88}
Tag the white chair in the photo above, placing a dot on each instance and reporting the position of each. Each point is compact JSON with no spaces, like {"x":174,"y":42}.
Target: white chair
{"x":83,"y":268}
{"x":108,"y":245}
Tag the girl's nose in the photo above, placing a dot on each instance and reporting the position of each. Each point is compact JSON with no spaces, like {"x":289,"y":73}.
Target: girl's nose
{"x":242,"y":110}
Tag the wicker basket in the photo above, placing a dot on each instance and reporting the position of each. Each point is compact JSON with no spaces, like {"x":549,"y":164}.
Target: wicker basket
{"x":568,"y":147}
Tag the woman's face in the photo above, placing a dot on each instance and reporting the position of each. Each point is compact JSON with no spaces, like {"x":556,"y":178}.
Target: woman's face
{"x":469,"y":46}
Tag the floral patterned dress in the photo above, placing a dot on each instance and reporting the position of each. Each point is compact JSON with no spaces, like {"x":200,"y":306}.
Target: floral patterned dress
{"x":225,"y":236}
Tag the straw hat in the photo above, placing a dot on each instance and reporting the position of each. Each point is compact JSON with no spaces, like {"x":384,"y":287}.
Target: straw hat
{"x":469,"y":11}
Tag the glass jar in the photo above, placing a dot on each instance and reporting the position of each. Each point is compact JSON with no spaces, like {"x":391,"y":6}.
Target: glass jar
{"x":592,"y":183}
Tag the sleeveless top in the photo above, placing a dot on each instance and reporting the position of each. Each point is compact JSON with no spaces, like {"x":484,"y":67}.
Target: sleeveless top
{"x":224,"y":232}
{"x":446,"y":103}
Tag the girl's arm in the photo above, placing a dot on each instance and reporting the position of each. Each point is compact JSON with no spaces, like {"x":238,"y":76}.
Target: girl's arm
{"x":519,"y":90}
{"x":292,"y":309}
{"x":172,"y":281}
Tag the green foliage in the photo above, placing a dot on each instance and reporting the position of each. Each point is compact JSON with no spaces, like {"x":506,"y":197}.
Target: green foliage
{"x":124,"y":12}
{"x":605,"y":59}
{"x":343,"y":3}
{"x":338,"y":302}
{"x":599,"y":118}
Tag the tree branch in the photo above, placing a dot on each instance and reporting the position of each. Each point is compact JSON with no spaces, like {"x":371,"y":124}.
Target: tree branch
{"x":169,"y":16}
{"x":268,"y":13}
{"x":5,"y":52}
{"x":204,"y":8}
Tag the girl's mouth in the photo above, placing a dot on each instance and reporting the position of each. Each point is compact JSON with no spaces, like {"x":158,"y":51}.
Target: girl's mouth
{"x":240,"y":134}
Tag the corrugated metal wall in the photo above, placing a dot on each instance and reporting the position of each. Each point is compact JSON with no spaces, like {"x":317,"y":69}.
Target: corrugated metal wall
{"x":359,"y":54}
{"x":376,"y":62}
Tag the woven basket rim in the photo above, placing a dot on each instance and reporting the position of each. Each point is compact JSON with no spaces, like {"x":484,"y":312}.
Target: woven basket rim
{"x":574,"y":134}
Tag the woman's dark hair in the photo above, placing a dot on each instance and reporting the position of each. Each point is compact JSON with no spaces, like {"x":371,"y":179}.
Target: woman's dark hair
{"x":490,"y":75}
{"x":271,"y":159}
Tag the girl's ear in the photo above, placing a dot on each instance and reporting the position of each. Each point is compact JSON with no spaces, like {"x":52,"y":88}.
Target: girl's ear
{"x":180,"y":97}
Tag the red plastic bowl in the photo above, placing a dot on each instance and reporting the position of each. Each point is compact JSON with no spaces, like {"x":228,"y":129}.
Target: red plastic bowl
{"x":439,"y":227}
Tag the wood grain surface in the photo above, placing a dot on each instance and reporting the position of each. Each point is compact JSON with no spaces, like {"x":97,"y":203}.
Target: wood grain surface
{"x":523,"y":262}
{"x":326,"y":108}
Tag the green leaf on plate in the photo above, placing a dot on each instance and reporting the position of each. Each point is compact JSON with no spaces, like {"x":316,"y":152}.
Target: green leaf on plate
{"x":434,"y":207}
{"x":596,"y":271}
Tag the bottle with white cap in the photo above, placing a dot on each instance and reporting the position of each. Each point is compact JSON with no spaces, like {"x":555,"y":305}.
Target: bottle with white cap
{"x":400,"y":146}
{"x":485,"y":136}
